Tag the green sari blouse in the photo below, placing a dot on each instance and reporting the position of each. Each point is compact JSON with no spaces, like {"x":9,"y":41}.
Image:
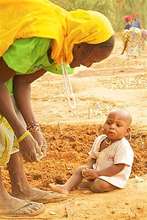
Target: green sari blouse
{"x":26,"y":56}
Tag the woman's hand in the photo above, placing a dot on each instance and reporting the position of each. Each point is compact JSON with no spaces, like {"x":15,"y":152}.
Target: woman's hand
{"x":22,"y":87}
{"x":39,"y":137}
{"x":30,"y":149}
{"x":90,"y":174}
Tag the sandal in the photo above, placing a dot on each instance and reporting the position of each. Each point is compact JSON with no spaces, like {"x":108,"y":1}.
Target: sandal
{"x":28,"y":209}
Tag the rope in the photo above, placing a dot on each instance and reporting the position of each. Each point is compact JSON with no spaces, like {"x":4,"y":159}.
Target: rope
{"x":68,"y":89}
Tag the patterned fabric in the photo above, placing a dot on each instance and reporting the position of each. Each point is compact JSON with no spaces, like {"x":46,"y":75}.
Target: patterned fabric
{"x":144,"y":34}
{"x":119,"y":152}
{"x":133,"y":38}
{"x":8,"y":142}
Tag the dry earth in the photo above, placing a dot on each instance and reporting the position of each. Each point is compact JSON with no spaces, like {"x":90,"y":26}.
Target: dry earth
{"x":116,"y":82}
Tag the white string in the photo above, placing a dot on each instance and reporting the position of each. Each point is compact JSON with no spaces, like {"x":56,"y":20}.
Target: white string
{"x":68,"y":89}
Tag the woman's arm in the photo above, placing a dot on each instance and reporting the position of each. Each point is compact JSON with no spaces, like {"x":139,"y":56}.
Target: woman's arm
{"x":7,"y":110}
{"x":6,"y":106}
{"x":5,"y":72}
{"x":28,"y":145}
{"x":22,"y":94}
{"x":125,"y":46}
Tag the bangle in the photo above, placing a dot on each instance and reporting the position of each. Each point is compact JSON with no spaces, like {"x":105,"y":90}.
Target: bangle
{"x":33,"y":127}
{"x":23,"y":136}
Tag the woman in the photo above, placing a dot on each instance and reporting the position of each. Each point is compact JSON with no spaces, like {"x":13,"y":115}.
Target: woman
{"x":37,"y":36}
{"x":132,"y":42}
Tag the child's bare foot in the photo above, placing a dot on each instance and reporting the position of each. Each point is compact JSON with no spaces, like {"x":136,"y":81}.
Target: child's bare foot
{"x":58,"y":188}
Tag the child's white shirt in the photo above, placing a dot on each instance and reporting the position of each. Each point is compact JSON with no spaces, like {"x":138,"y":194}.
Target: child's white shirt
{"x":119,"y":152}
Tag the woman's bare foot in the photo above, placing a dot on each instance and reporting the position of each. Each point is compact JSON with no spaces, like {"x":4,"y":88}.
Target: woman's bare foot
{"x":58,"y":188}
{"x":11,"y":206}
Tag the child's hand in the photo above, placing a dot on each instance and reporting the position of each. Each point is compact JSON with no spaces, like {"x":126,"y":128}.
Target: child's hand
{"x":90,"y":174}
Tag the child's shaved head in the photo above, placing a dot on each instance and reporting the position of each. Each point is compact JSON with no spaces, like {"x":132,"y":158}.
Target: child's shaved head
{"x":123,"y":114}
{"x":117,"y":124}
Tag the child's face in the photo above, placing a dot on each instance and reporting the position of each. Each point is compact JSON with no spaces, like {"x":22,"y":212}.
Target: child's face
{"x":116,"y":126}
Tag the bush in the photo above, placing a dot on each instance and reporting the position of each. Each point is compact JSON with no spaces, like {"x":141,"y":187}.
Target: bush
{"x":113,"y":9}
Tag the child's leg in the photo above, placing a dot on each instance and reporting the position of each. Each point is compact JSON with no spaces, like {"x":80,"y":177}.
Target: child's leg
{"x":72,"y":182}
{"x":99,"y":186}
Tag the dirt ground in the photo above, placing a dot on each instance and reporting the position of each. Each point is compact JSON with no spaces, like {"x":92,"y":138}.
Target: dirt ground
{"x":115,"y":82}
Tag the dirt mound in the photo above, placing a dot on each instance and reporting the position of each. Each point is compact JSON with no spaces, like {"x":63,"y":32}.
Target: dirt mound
{"x":68,"y":147}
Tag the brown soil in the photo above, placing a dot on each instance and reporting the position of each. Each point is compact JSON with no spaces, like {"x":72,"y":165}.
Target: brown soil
{"x":116,"y":82}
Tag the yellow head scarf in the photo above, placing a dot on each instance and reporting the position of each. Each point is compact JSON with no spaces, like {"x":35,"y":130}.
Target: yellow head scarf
{"x":41,"y":18}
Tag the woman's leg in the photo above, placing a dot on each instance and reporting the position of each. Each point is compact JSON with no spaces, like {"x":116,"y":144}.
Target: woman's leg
{"x":99,"y":186}
{"x":17,"y":175}
{"x":21,"y":187}
{"x":10,"y":205}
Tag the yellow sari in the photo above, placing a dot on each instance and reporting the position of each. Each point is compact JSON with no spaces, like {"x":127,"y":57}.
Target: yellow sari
{"x":8,"y":142}
{"x":41,"y":18}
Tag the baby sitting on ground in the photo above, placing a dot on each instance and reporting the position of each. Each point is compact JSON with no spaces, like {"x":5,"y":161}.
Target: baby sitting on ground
{"x":110,"y":158}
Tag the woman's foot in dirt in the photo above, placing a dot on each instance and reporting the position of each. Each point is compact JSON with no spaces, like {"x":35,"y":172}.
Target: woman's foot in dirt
{"x":38,"y":195}
{"x":11,"y":206}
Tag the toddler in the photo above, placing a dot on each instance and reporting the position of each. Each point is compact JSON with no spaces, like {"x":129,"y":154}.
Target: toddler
{"x":110,"y":158}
